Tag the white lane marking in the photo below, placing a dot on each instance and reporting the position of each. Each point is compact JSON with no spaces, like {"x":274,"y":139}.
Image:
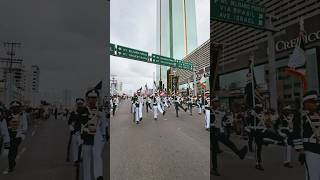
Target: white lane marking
{"x":21,"y":152}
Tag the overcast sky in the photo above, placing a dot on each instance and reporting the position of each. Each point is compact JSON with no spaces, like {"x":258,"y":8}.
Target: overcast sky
{"x":66,"y":39}
{"x":133,"y":24}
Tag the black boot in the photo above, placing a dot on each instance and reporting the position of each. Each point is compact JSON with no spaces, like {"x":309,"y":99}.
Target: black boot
{"x":243,"y":152}
{"x":287,"y":165}
{"x":100,"y":178}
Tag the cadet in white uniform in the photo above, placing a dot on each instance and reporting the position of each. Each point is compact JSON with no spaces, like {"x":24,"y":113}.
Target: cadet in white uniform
{"x":157,"y":106}
{"x":207,"y":113}
{"x":307,"y":136}
{"x":93,"y":134}
{"x":148,"y":103}
{"x":4,"y":132}
{"x":74,"y":123}
{"x":219,"y":134}
{"x":17,"y":128}
{"x":141,"y":102}
{"x":198,"y":102}
{"x":284,"y":126}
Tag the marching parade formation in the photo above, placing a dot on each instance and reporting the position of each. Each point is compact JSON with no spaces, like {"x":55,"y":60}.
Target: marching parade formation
{"x":161,"y":101}
{"x":295,"y":126}
{"x":87,"y":124}
{"x":293,"y":129}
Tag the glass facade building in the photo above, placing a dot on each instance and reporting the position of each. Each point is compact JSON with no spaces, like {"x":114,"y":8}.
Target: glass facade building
{"x":176,"y":31}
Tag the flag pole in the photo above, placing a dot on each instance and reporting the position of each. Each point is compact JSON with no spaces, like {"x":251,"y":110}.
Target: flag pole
{"x":253,"y":102}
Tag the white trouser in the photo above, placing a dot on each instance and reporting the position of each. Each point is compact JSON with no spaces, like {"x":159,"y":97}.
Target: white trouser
{"x":199,"y":109}
{"x":287,"y":153}
{"x":137,"y":114}
{"x":140,"y":110}
{"x":92,"y":160}
{"x":207,"y":119}
{"x":312,"y":166}
{"x":166,"y":104}
{"x":155,"y":111}
{"x":75,"y":143}
{"x":160,"y":109}
{"x":133,"y":108}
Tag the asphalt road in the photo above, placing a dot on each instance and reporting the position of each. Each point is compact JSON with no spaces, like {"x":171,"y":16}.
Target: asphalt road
{"x":167,"y":149}
{"x":231,"y":167}
{"x":42,"y":156}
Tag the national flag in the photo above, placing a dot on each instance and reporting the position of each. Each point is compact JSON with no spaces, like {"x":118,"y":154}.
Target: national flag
{"x":251,"y":81}
{"x":203,"y":80}
{"x":298,"y":60}
{"x":162,"y":93}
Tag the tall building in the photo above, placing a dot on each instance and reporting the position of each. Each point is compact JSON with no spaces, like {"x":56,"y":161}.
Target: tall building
{"x":176,"y":31}
{"x":31,"y":85}
{"x":17,"y":81}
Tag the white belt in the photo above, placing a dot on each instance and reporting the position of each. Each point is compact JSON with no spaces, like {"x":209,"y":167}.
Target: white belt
{"x":286,"y":128}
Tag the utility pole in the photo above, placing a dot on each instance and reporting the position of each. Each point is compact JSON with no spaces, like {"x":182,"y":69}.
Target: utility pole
{"x":9,"y":66}
{"x":113,"y":86}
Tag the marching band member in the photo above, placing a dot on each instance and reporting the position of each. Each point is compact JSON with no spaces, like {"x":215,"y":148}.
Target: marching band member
{"x":4,"y":133}
{"x":258,"y":129}
{"x":219,"y":135}
{"x":141,"y":102}
{"x":74,"y":123}
{"x":17,"y":128}
{"x":284,"y":126}
{"x":93,"y":135}
{"x":307,"y":135}
{"x":157,"y":106}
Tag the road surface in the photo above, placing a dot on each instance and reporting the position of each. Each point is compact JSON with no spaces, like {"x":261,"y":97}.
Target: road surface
{"x":169,"y":148}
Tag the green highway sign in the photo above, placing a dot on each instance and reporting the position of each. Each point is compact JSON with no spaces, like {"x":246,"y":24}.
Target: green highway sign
{"x":112,"y":49}
{"x":129,"y":53}
{"x":162,"y":60}
{"x":238,"y":12}
{"x":126,"y":52}
{"x":184,"y":65}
